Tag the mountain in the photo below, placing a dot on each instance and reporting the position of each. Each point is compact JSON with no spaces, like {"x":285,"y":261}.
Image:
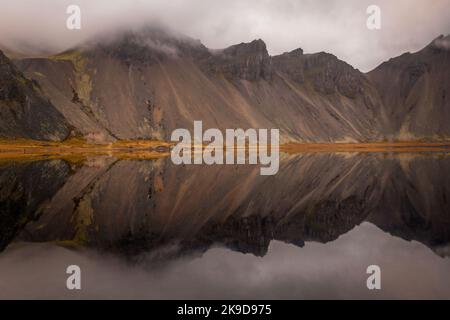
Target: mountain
{"x":145,"y":84}
{"x":24,"y":111}
{"x":415,"y":90}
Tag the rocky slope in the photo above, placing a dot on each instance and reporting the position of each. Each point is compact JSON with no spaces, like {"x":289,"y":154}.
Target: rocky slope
{"x":145,"y":84}
{"x":415,"y":89}
{"x":24,"y":111}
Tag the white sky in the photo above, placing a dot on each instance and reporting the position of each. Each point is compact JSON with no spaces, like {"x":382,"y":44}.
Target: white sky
{"x":335,"y":26}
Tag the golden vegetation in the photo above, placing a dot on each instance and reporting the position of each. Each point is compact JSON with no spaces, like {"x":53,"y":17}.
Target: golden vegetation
{"x":77,"y":149}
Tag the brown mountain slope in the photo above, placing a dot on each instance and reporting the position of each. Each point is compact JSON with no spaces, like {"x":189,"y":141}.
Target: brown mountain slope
{"x":415,"y":90}
{"x":146,"y":84}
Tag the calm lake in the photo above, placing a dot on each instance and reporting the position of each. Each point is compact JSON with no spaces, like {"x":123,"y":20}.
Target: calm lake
{"x":151,"y":229}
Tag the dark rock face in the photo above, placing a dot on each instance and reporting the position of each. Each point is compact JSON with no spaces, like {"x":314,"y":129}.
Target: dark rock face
{"x":247,"y":61}
{"x":24,"y":111}
{"x":327,"y":73}
{"x":291,"y":64}
{"x":331,"y":74}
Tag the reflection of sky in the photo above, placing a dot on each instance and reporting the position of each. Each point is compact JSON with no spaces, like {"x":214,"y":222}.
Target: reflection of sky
{"x":333,"y":270}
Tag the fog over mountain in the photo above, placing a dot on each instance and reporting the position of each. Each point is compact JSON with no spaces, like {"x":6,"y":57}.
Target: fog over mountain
{"x":336,"y":26}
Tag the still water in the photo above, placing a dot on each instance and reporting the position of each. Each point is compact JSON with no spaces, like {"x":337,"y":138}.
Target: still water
{"x":150,"y":229}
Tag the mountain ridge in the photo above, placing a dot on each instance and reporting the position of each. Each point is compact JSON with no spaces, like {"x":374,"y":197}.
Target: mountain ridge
{"x":144,"y":84}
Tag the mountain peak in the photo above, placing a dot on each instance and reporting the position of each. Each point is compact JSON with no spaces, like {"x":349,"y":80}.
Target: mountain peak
{"x":148,"y":44}
{"x":296,"y":52}
{"x":442,"y":42}
{"x":255,"y":47}
{"x":247,"y":60}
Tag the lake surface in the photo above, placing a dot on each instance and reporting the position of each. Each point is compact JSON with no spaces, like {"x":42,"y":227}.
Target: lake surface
{"x":151,"y":229}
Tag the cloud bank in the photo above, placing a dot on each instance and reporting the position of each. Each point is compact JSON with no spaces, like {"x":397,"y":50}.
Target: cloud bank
{"x":334,"y":26}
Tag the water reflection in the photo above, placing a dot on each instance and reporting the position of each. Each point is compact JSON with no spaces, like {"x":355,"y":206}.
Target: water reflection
{"x":154,"y":217}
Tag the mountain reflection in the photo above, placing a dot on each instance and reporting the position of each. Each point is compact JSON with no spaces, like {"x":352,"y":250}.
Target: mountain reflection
{"x":135,"y":207}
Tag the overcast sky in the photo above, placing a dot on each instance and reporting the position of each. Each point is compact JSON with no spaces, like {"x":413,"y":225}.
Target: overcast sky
{"x":335,"y":26}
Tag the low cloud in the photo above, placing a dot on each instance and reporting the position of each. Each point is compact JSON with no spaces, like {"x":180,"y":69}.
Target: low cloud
{"x":443,"y":43}
{"x":335,"y":26}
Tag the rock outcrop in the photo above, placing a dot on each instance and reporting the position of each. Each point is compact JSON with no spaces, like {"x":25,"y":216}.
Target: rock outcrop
{"x":24,"y":111}
{"x":246,"y":61}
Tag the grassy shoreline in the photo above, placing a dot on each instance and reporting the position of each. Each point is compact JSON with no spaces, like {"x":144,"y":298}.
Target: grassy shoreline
{"x":78,"y":148}
{"x":73,"y":143}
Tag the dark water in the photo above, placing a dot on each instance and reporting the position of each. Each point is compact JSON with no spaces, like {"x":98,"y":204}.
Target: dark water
{"x":150,"y":229}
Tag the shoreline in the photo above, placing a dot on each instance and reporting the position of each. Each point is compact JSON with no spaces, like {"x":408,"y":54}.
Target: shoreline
{"x":401,"y":146}
{"x":76,"y":148}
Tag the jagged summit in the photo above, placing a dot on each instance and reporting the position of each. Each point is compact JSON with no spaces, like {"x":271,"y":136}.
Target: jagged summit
{"x":441,"y":43}
{"x":247,"y":61}
{"x":294,"y":53}
{"x":247,"y":48}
